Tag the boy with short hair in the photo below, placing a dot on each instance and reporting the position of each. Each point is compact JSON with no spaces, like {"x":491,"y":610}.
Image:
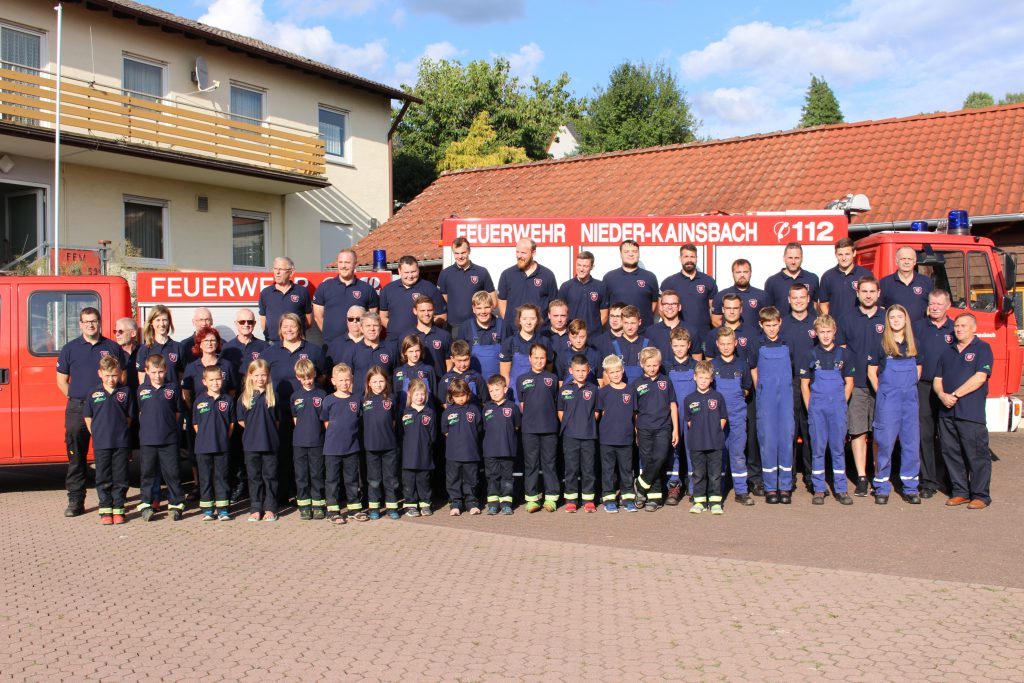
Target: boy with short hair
{"x":501,"y":421}
{"x":734,"y":381}
{"x":484,"y":332}
{"x":343,"y":412}
{"x":160,"y":407}
{"x":706,"y":417}
{"x":108,"y":414}
{"x":538,"y":402}
{"x":308,"y":443}
{"x":213,"y":419}
{"x":629,"y":345}
{"x":775,"y":416}
{"x":657,"y":427}
{"x":577,"y":412}
{"x":578,"y":344}
{"x":616,"y":434}
{"x":462,"y":369}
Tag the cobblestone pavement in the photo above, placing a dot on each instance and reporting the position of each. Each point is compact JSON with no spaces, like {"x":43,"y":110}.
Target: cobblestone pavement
{"x":766,"y":594}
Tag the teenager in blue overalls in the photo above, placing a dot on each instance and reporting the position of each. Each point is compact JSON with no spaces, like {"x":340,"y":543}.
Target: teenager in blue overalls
{"x":630,"y":344}
{"x":462,"y":369}
{"x":616,"y":434}
{"x":734,"y":382}
{"x":657,"y":428}
{"x":680,"y":367}
{"x":894,"y":369}
{"x":412,"y":367}
{"x":773,"y":378}
{"x":826,"y":383}
{"x":484,"y":332}
{"x":538,"y":402}
{"x":515,"y":350}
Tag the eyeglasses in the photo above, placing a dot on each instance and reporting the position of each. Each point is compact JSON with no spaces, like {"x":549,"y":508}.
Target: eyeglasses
{"x":354,"y":320}
{"x":121,"y":331}
{"x":245,"y":322}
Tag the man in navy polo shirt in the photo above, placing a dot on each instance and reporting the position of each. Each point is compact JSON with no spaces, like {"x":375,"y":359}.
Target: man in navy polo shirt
{"x":754,"y":299}
{"x":435,"y":341}
{"x":633,"y":285}
{"x":335,"y":296}
{"x":460,"y":281}
{"x":77,"y":368}
{"x":934,"y":335}
{"x":284,"y":296}
{"x":777,"y":286}
{"x":961,"y":382}
{"x":527,"y":282}
{"x":396,"y":299}
{"x":586,"y":296}
{"x":696,"y":290}
{"x":747,"y":334}
{"x":799,"y":335}
{"x":837,"y":295}
{"x":906,"y":286}
{"x":659,"y":332}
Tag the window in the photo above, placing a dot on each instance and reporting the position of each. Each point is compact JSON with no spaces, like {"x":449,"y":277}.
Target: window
{"x":947,"y":271}
{"x":249,"y":239}
{"x":981,"y":287}
{"x":22,"y":51}
{"x":53,"y":319}
{"x":143,"y":78}
{"x":247,"y":104}
{"x":334,"y":131}
{"x":145,"y":227}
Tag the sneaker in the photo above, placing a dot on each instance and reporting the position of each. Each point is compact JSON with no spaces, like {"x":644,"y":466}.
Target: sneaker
{"x":374,"y":515}
{"x":630,"y":506}
{"x":253,"y":517}
{"x":305,"y":513}
{"x":532,"y":506}
{"x":550,"y":505}
{"x":394,"y":514}
{"x":426,"y":512}
{"x":454,"y":512}
{"x":641,"y":495}
{"x":223,"y":516}
{"x":697,"y":508}
{"x":675,"y":494}
{"x":650,"y":506}
{"x":610,"y":506}
{"x":716,"y":509}
{"x":570,"y":507}
{"x":412,"y":512}
{"x":319,"y":513}
{"x":176,"y":514}
{"x":208,"y":516}
{"x":492,"y":508}
{"x":844,"y":499}
{"x":819,"y":499}
{"x":589,"y":506}
{"x":119,"y":519}
{"x":745,"y":499}
{"x":147,"y":514}
{"x":106,"y":520}
{"x":881,"y":500}
{"x":474,"y":511}
{"x":506,"y":509}
{"x":269,"y":516}
{"x":862,"y":487}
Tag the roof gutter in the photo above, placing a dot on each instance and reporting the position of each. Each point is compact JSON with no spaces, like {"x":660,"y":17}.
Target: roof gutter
{"x":933,"y":223}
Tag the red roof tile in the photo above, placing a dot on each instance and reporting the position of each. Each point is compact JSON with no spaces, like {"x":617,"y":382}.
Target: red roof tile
{"x":911,"y":168}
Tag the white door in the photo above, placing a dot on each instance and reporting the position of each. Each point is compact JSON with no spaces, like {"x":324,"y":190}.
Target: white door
{"x":23,"y":220}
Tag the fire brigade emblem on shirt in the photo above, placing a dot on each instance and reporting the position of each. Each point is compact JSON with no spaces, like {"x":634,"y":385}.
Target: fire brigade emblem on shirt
{"x":593,"y":296}
{"x":641,"y":283}
{"x":437,"y":344}
{"x":752,"y":302}
{"x":357,"y":294}
{"x":294,"y":298}
{"x":384,"y":357}
{"x":104,"y":354}
{"x":255,"y":355}
{"x":742,"y":341}
{"x":537,"y":282}
{"x":303,"y":356}
{"x":317,"y":401}
{"x":949,"y":339}
{"x":222,"y":406}
{"x":122,"y":395}
{"x":662,"y":384}
{"x":918,"y":290}
{"x":712,"y":403}
{"x":700,"y":289}
{"x":879,"y":327}
{"x":475,"y":279}
{"x":587,"y":394}
{"x":168,"y":393}
{"x":425,"y":419}
{"x":387,"y":404}
{"x":469,"y":417}
{"x":353,"y":406}
{"x":494,"y":336}
{"x":812,"y":334}
{"x":173,"y":357}
{"x":507,"y":412}
{"x":968,"y":357}
{"x":548,"y":381}
{"x":625,"y":399}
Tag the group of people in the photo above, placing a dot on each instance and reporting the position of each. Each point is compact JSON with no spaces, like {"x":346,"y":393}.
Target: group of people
{"x":628,"y":396}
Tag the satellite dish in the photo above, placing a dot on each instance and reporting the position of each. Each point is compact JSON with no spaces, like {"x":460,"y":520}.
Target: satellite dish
{"x":201,"y":76}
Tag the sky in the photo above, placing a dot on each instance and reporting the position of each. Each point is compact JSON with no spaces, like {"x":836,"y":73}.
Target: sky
{"x":745,"y":66}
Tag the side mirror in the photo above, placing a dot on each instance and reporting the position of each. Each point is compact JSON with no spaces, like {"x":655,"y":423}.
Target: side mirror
{"x":1007,"y":308}
{"x":1009,"y":271}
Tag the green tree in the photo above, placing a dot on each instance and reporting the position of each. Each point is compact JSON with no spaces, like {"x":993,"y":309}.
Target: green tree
{"x":643,"y":106}
{"x":480,"y":148}
{"x":453,"y":94}
{"x":821,"y":108}
{"x":978,"y":99}
{"x":1012,"y":98}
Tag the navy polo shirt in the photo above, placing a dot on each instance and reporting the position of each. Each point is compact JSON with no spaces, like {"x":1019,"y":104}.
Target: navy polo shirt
{"x":913,"y":297}
{"x":654,"y":399}
{"x":660,"y":336}
{"x":629,"y":351}
{"x":617,"y":408}
{"x":586,"y":301}
{"x":500,"y":424}
{"x":282,"y":366}
{"x":159,"y":410}
{"x":477,"y":385}
{"x":461,"y":427}
{"x":436,"y":346}
{"x":704,"y":413}
{"x":516,"y":344}
{"x":240,"y":355}
{"x":752,"y":298}
{"x":379,"y":414}
{"x":603,"y":342}
{"x":538,"y":394}
{"x":418,"y":430}
{"x":578,"y":406}
{"x":878,"y":356}
{"x":213,"y":418}
{"x":516,"y":288}
{"x":818,"y":358}
{"x":800,"y":336}
{"x":777,"y":288}
{"x":406,"y":373}
{"x":955,"y":368}
{"x":111,"y":414}
{"x":459,"y":285}
{"x":80,"y":361}
{"x":932,"y":340}
{"x":636,"y":287}
{"x":364,"y":357}
{"x":396,"y":300}
{"x":747,"y":343}
{"x":471,"y":331}
{"x":344,"y":418}
{"x":337,"y":297}
{"x":737,"y":368}
{"x":192,"y":381}
{"x":307,"y":409}
{"x":672,"y":364}
{"x":130,"y":360}
{"x":839,"y":290}
{"x":339,"y":350}
{"x":259,"y":422}
{"x":563,"y":362}
{"x":274,"y":303}
{"x":861,"y":334}
{"x":694,"y":294}
{"x":173,"y":353}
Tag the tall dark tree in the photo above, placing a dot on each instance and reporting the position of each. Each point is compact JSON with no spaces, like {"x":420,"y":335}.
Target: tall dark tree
{"x":643,"y":106}
{"x":978,"y":99}
{"x":821,"y":107}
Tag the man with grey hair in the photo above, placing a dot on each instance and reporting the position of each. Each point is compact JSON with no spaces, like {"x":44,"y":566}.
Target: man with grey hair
{"x":284,"y":296}
{"x":527,"y":282}
{"x":126,"y":334}
{"x":906,"y":286}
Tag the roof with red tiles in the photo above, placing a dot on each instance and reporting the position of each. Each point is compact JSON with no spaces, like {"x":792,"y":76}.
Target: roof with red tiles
{"x":918,"y":167}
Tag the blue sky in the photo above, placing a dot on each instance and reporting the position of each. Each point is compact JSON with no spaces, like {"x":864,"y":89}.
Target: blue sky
{"x":745,"y":65}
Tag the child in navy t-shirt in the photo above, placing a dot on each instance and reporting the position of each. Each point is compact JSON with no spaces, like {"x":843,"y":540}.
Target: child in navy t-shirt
{"x":213,"y":419}
{"x":419,"y":427}
{"x":706,"y":416}
{"x":461,"y":426}
{"x":308,"y":442}
{"x":501,"y":424}
{"x":343,"y":414}
{"x":108,"y":415}
{"x":616,"y":402}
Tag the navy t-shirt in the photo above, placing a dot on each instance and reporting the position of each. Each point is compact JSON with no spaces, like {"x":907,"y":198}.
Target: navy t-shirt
{"x":379,"y":414}
{"x":839,"y":290}
{"x":459,"y":285}
{"x":418,"y":430}
{"x":337,"y":297}
{"x":538,"y":393}
{"x":752,"y":298}
{"x":274,"y":303}
{"x":259,"y":421}
{"x":955,"y":368}
{"x":80,"y":361}
{"x":578,"y":406}
{"x":363,"y":357}
{"x":563,"y":363}
{"x":861,"y":333}
{"x":800,"y":336}
{"x":516,"y":344}
{"x":159,"y":409}
{"x":747,"y":340}
{"x":282,"y":366}
{"x":586,"y":301}
{"x":173,"y":353}
{"x":111,"y":414}
{"x":307,"y":411}
{"x":704,"y":413}
{"x":637,"y":288}
{"x":737,"y":368}
{"x":436,"y":346}
{"x":500,"y":425}
{"x":694,"y":294}
{"x":516,"y":288}
{"x":240,"y":355}
{"x":617,"y":407}
{"x":913,"y":297}
{"x":777,"y":288}
{"x":461,"y":426}
{"x":933,"y":340}
{"x":396,"y":301}
{"x":344,"y":419}
{"x":192,"y":380}
{"x":660,"y":336}
{"x":836,"y":358}
{"x":213,"y":418}
{"x":654,"y":399}
{"x":477,"y":385}
{"x":407,"y":373}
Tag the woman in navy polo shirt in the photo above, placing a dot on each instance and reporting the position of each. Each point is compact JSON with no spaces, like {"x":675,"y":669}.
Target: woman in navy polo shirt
{"x":156,"y":339}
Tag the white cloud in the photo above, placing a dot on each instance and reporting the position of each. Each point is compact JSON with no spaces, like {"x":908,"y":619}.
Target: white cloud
{"x":471,"y":11}
{"x":304,"y":9}
{"x":398,"y":17}
{"x":524,"y":63}
{"x":734,"y":105}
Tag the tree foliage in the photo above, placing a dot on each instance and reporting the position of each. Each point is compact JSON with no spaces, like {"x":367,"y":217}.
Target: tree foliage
{"x":480,"y":148}
{"x":453,"y":94}
{"x":978,"y":99}
{"x":821,"y":108}
{"x":643,"y":106}
{"x":1012,"y":98}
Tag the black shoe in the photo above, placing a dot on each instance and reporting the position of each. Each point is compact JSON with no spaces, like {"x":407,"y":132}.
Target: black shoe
{"x":744,"y":499}
{"x":305,"y":513}
{"x":785,"y":498}
{"x":239,"y":494}
{"x":862,"y":487}
{"x":319,"y":513}
{"x":927,"y":493}
{"x":844,"y":499}
{"x":881,"y":500}
{"x":675,"y":493}
{"x":772,"y":497}
{"x":641,"y":495}
{"x":912,"y":499}
{"x":757,"y":489}
{"x":74,"y":508}
{"x":819,"y":499}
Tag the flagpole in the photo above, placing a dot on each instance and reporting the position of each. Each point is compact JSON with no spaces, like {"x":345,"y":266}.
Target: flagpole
{"x":56,"y":150}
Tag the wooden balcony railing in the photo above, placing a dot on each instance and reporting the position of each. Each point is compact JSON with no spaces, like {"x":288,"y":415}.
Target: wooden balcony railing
{"x":30,"y":99}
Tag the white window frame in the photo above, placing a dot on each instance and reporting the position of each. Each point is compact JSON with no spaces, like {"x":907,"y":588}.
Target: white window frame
{"x":265,"y":217}
{"x":128,"y":56}
{"x":43,"y":59}
{"x":255,"y":89}
{"x":165,"y":219}
{"x":346,"y":143}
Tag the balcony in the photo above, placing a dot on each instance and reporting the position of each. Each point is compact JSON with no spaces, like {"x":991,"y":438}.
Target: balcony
{"x":112,"y":120}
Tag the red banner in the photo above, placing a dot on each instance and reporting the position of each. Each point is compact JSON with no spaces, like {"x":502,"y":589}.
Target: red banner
{"x":79,"y":262}
{"x":228,"y":287}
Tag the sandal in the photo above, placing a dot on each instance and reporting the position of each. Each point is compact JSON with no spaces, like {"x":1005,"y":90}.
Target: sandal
{"x":361,"y":516}
{"x":337,"y":518}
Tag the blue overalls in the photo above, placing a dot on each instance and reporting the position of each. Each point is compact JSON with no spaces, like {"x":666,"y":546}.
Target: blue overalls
{"x":775,"y":419}
{"x":484,"y":357}
{"x":735,"y":432}
{"x":633,"y":372}
{"x":520,"y":366}
{"x":684,"y":384}
{"x":827,"y":420}
{"x":896,"y":415}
